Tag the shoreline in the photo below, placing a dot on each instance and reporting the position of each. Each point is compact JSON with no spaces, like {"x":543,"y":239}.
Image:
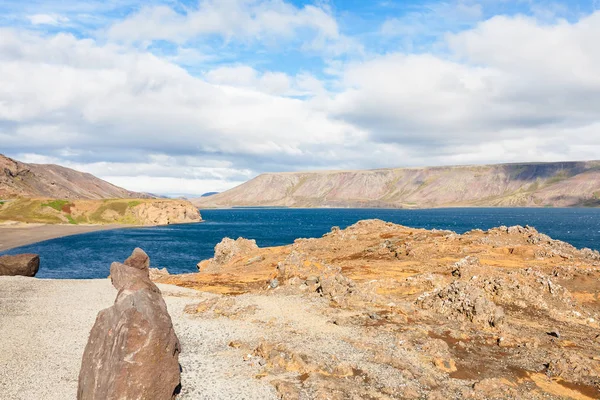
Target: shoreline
{"x":21,"y":234}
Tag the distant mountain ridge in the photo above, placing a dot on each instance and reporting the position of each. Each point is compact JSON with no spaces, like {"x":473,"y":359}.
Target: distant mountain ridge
{"x":554,"y":184}
{"x":18,"y":179}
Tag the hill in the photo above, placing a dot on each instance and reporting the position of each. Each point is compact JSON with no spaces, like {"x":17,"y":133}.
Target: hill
{"x":19,"y":179}
{"x":556,"y":184}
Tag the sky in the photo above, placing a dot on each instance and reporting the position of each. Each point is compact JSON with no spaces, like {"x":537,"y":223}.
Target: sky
{"x":186,"y":97}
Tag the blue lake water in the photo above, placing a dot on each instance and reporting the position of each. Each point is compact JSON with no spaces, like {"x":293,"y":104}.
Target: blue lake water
{"x":180,"y":247}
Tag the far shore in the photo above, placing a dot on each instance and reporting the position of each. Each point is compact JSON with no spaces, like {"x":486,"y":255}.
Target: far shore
{"x":14,"y":235}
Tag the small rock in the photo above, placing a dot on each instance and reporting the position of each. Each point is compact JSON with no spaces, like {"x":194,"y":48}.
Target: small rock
{"x":554,"y":333}
{"x":274,"y":283}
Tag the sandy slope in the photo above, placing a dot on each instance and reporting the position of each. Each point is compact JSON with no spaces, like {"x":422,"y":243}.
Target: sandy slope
{"x":44,"y":326}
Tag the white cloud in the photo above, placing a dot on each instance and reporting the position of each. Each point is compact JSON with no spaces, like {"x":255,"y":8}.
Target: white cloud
{"x":508,"y":89}
{"x":47,"y":19}
{"x":105,"y":102}
{"x":506,"y":79}
{"x":274,"y":83}
{"x":267,"y":21}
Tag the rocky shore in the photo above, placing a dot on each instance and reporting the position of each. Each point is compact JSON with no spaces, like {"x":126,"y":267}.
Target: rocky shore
{"x":374,"y":311}
{"x":384,"y":311}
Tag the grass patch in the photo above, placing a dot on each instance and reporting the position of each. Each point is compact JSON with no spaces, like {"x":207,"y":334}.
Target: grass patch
{"x":533,"y":187}
{"x":56,"y":204}
{"x":26,"y":210}
{"x":71,"y":220}
{"x":134,"y":203}
{"x":560,"y":176}
{"x":120,"y":207}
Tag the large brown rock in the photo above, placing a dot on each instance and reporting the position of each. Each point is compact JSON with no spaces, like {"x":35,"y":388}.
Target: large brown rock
{"x":21,"y":264}
{"x":132,"y":351}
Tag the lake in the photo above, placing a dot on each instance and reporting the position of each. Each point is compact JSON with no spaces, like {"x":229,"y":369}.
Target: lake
{"x":180,"y":247}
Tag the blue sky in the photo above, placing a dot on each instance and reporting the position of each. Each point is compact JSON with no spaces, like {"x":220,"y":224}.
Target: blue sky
{"x":183,"y":97}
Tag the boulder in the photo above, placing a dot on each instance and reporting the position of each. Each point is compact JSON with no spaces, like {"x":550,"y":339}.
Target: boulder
{"x":21,"y":264}
{"x":132,"y":351}
{"x":226,"y":251}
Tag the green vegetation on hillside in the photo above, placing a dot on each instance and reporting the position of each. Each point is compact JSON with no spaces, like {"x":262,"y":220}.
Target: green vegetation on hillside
{"x":560,"y":176}
{"x":71,"y":212}
{"x":58,"y":205}
{"x":25,"y":210}
{"x":113,"y":211}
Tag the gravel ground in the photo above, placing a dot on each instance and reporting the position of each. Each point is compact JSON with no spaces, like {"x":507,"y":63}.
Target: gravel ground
{"x":44,"y":326}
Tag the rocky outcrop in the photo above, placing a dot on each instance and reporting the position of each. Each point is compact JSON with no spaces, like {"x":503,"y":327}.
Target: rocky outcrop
{"x":19,"y":179}
{"x":166,"y":212}
{"x":559,"y":184}
{"x":379,"y":310}
{"x":132,"y":351}
{"x":227,"y":250}
{"x":21,"y":264}
{"x":463,"y":299}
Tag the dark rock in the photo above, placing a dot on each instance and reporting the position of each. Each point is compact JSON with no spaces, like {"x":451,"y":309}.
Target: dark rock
{"x":132,"y":351}
{"x":554,"y":333}
{"x":21,"y":264}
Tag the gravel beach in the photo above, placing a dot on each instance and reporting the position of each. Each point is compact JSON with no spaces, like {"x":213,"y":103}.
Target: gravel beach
{"x":44,"y":326}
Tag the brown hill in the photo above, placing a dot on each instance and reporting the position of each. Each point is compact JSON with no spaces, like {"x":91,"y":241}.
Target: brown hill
{"x":557,"y":184}
{"x":18,"y":179}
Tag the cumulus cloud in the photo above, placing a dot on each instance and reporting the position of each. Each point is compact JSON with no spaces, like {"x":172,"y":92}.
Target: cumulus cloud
{"x":249,"y":21}
{"x":507,"y":89}
{"x":106,"y":102}
{"x":505,"y":79}
{"x":275,"y":83}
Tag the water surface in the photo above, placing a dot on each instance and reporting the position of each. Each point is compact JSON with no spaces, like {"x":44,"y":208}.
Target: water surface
{"x":180,"y":247}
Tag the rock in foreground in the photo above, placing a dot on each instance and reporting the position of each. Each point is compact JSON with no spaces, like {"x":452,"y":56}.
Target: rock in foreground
{"x":21,"y":264}
{"x":132,"y":351}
